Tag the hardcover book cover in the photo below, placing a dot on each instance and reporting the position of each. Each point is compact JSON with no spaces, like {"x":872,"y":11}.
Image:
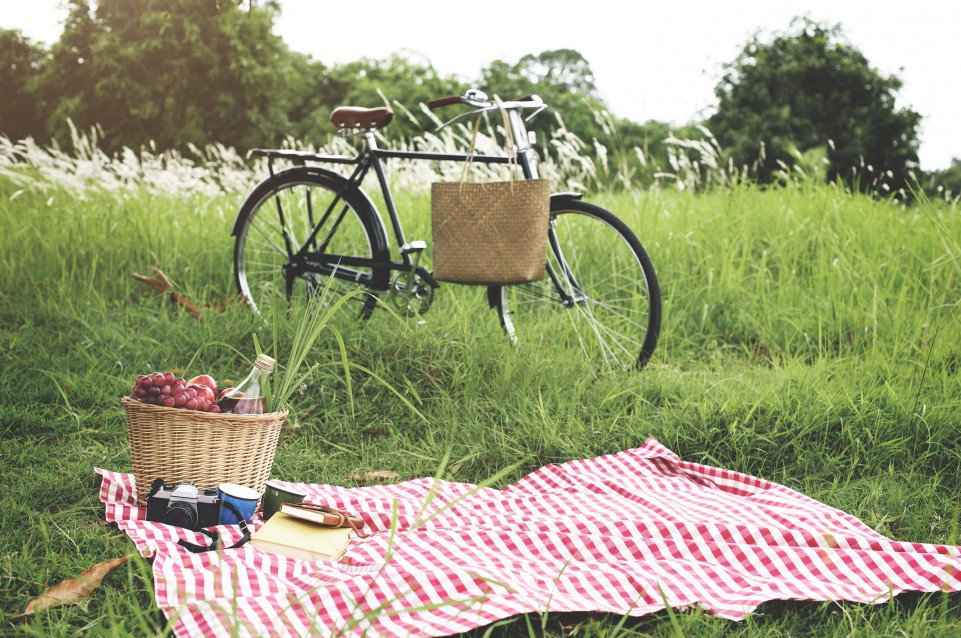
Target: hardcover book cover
{"x":299,"y":539}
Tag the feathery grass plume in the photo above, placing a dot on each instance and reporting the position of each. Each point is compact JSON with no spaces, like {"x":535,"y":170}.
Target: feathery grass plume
{"x":572,"y":163}
{"x":569,"y":162}
{"x":697,"y":163}
{"x":216,"y":168}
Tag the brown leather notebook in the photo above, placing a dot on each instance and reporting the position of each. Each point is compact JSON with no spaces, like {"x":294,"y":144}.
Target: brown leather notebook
{"x":326,"y":516}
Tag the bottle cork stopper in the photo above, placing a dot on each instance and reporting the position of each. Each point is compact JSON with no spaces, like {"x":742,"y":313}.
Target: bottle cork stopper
{"x":265,"y":363}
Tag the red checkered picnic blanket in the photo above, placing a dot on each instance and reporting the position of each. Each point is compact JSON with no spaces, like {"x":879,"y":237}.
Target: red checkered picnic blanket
{"x":626,"y":533}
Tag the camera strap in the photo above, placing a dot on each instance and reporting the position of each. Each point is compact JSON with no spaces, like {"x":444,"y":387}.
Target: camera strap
{"x":214,"y":535}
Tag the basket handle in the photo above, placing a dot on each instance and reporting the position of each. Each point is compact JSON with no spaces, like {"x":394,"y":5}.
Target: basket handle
{"x":509,"y":144}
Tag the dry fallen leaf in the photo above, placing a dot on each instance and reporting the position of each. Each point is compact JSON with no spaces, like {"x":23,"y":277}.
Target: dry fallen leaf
{"x":74,"y":590}
{"x":369,"y":476}
{"x":161,"y":283}
{"x":221,"y":305}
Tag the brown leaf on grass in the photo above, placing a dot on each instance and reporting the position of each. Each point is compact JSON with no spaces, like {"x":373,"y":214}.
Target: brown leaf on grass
{"x":220,"y":306}
{"x":377,"y":432}
{"x":161,"y":283}
{"x":369,"y":476}
{"x":74,"y":590}
{"x":188,"y":305}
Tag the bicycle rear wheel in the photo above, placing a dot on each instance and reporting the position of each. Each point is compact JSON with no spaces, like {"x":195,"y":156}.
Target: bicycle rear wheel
{"x":280,"y":216}
{"x":600,"y":294}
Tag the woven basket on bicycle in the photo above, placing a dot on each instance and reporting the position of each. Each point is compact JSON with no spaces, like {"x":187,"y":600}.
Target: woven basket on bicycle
{"x":490,"y":232}
{"x":205,"y":449}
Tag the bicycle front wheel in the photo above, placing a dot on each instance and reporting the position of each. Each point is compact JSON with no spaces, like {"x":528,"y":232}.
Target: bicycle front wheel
{"x":600,"y":294}
{"x":308,"y":211}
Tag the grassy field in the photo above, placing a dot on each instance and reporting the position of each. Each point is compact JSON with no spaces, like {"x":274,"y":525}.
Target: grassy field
{"x":809,"y":337}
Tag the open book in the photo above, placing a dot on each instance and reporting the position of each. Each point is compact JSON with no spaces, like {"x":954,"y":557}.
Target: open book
{"x":299,"y":539}
{"x":321,"y":515}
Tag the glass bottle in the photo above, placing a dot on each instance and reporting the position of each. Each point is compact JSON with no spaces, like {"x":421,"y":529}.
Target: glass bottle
{"x":249,"y":396}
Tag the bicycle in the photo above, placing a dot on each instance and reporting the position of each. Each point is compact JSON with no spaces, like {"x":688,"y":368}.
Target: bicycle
{"x":307,"y":227}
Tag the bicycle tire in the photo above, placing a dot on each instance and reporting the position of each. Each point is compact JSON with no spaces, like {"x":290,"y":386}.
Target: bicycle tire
{"x":606,"y":301}
{"x":300,"y":196}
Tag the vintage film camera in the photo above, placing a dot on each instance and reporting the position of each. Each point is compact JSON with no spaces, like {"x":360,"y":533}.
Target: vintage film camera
{"x":183,"y":505}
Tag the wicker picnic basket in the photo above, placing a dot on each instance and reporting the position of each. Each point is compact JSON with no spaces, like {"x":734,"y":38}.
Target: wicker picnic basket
{"x":206,"y":449}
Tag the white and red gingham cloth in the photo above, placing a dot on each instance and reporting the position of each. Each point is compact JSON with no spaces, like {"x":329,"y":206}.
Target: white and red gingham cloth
{"x":626,"y":533}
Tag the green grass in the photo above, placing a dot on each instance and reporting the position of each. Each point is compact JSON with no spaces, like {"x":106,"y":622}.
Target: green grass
{"x":809,"y":337}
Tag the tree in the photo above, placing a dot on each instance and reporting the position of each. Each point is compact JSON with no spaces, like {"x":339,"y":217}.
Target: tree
{"x":21,"y":63}
{"x":563,"y":78}
{"x":563,"y":69}
{"x":809,"y":88}
{"x":177,"y":72}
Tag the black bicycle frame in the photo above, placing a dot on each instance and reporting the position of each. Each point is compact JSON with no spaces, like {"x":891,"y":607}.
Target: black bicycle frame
{"x":311,"y":258}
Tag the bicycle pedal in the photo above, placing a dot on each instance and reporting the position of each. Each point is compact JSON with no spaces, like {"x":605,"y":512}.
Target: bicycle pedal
{"x":416,"y":246}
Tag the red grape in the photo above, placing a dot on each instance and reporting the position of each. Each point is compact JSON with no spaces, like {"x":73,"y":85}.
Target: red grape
{"x":166,"y":389}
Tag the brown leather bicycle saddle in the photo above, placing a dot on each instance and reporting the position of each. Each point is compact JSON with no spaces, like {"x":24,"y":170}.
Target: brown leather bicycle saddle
{"x":361,"y":118}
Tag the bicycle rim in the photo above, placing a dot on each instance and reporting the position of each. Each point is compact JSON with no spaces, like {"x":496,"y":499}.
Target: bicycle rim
{"x":599,"y":297}
{"x":278,"y":223}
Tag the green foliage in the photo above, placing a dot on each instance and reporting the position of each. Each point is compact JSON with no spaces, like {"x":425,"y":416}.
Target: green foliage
{"x":21,"y":63}
{"x":173,"y":72}
{"x":809,"y":88}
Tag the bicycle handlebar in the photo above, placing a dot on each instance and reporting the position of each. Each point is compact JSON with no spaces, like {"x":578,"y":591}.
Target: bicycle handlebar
{"x":478,"y":99}
{"x":443,"y":101}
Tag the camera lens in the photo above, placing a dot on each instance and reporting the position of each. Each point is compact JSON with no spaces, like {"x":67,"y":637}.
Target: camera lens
{"x":181,"y":514}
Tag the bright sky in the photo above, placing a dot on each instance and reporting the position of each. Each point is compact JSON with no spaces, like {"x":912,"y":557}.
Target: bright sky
{"x":651,"y":60}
